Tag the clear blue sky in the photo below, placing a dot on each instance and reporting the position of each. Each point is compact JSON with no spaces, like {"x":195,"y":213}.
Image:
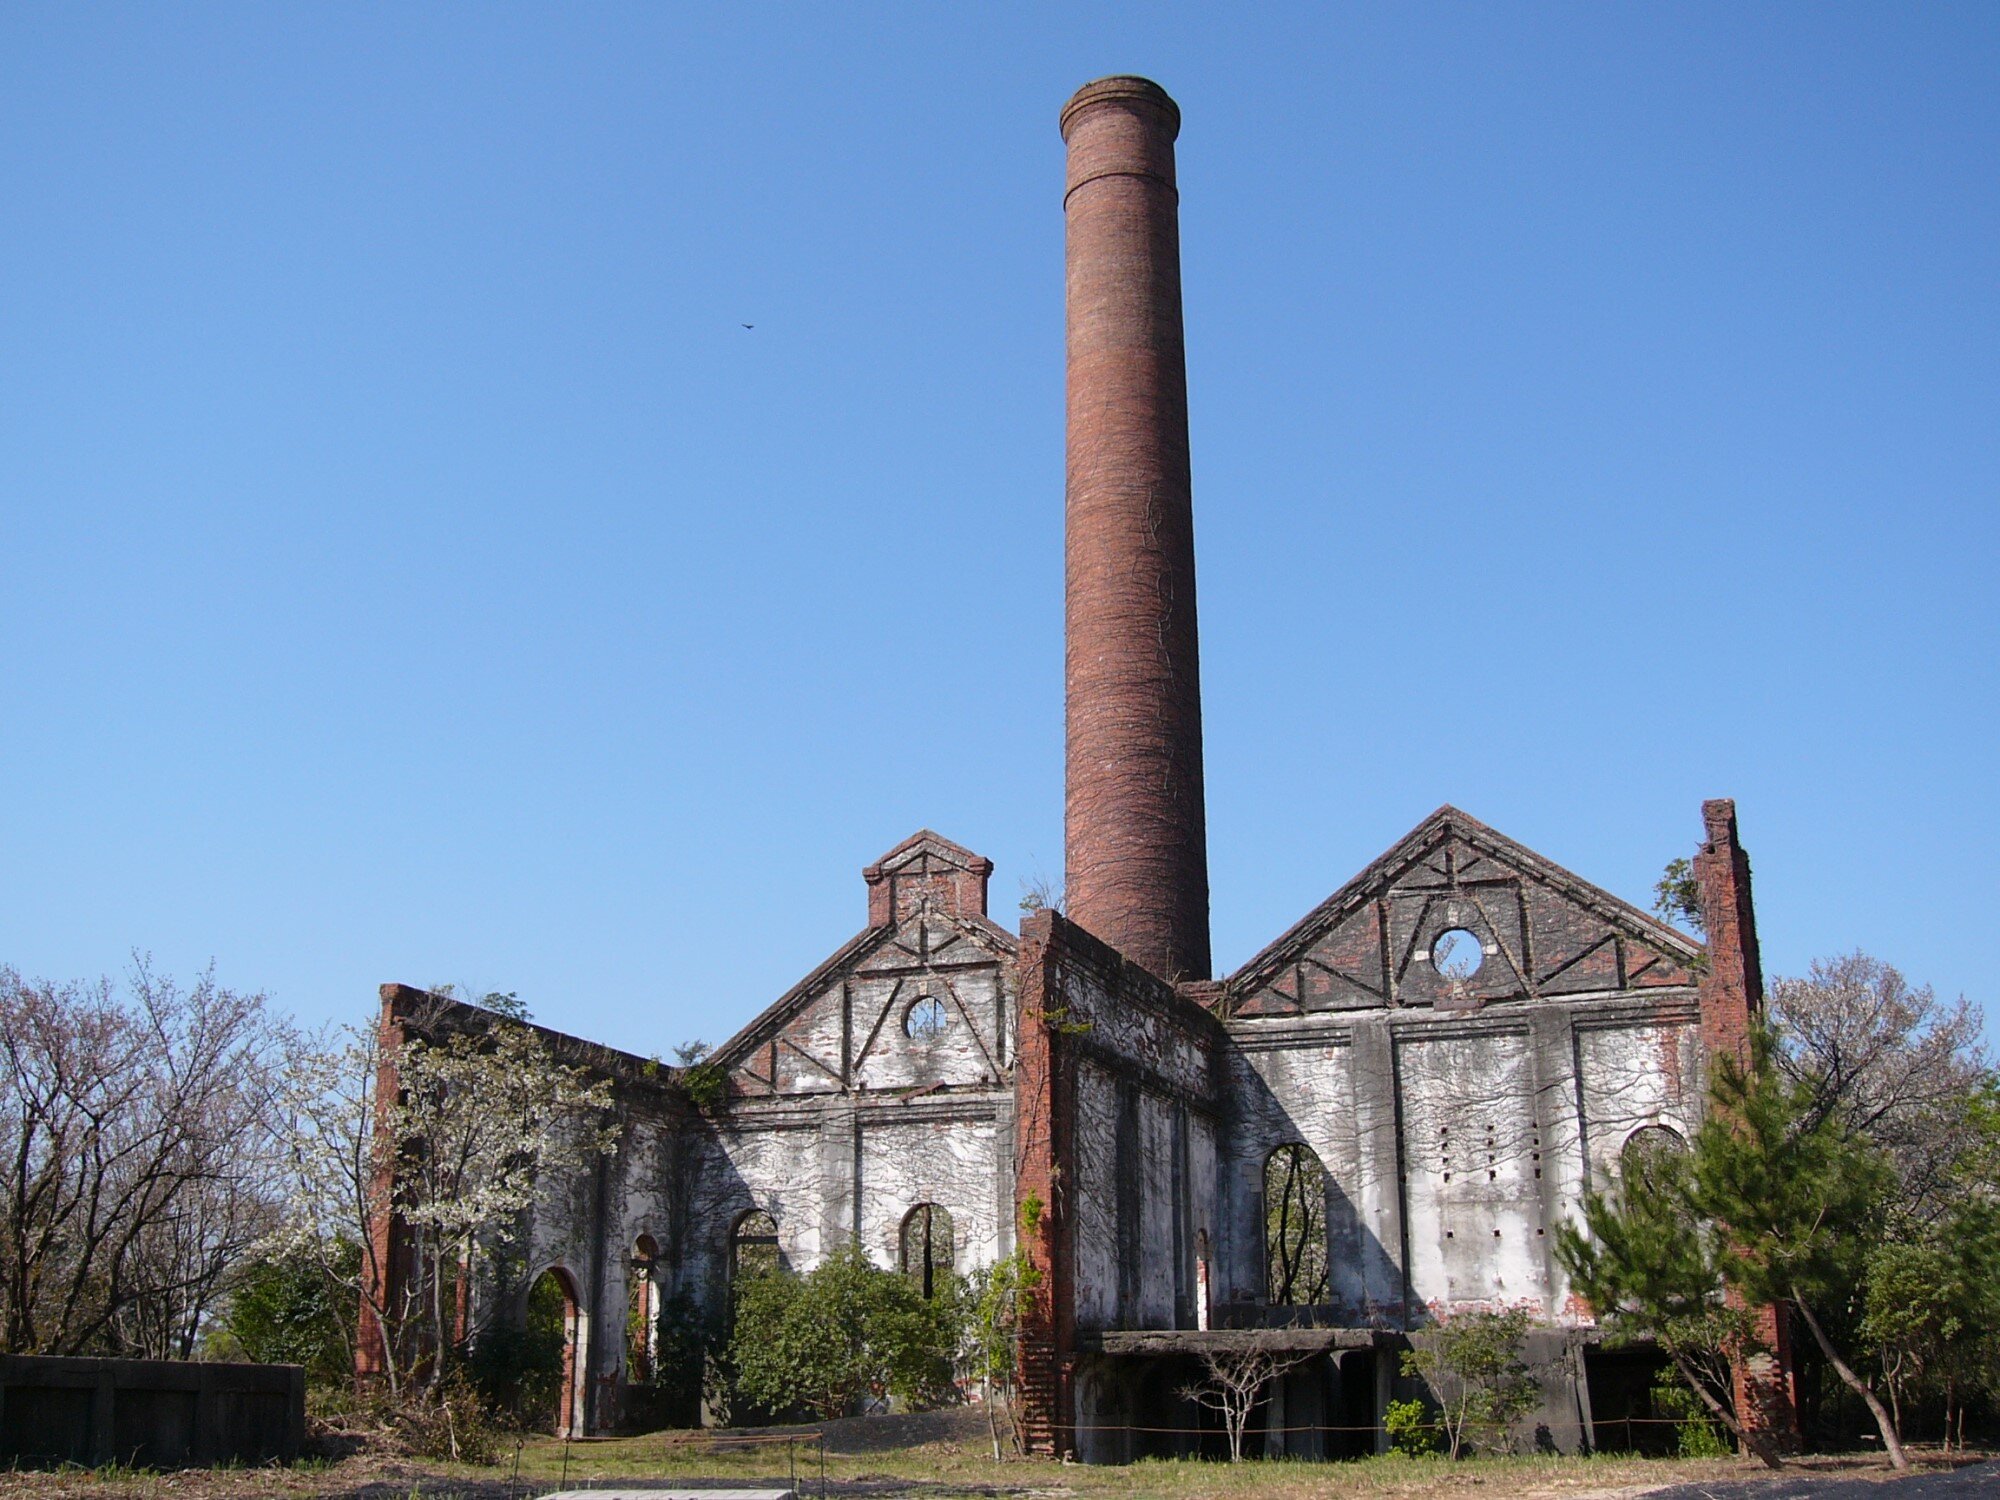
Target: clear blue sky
{"x":414,"y":571}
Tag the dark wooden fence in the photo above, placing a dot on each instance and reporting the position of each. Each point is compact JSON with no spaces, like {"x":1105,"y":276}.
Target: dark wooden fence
{"x":157,"y":1414}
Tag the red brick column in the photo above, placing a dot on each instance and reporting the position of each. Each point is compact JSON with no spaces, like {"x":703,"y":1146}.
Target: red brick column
{"x":1732,"y":999}
{"x":1044,"y":1134}
{"x":1136,"y":829}
{"x":385,"y":1264}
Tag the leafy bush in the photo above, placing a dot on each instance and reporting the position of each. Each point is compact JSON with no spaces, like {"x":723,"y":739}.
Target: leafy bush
{"x":847,"y":1330}
{"x":1411,"y":1431}
{"x":285,"y":1309}
{"x":1696,"y":1436}
{"x":517,"y":1372}
{"x":687,"y":1342}
{"x":1472,"y":1363}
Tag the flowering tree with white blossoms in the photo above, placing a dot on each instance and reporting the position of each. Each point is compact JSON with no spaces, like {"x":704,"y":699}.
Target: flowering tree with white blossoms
{"x":481,"y":1115}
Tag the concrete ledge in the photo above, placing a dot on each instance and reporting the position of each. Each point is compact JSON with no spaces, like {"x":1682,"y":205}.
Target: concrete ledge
{"x":1240,"y":1340}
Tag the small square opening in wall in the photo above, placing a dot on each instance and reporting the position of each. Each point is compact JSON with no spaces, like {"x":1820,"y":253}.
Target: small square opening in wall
{"x":924,"y":1021}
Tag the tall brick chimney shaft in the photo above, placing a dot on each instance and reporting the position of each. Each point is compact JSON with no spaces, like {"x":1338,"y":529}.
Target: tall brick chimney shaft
{"x":1136,"y":831}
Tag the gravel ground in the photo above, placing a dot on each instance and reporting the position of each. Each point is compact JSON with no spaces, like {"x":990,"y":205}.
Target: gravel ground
{"x":1949,"y":1484}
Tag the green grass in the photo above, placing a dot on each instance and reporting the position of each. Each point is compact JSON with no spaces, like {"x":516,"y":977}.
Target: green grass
{"x":949,"y":1469}
{"x":925,"y":1458}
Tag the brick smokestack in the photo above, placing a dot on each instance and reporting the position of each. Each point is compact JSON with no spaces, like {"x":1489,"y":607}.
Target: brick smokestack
{"x":1136,"y":831}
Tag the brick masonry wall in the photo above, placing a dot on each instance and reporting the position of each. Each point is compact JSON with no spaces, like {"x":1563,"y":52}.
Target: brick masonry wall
{"x":388,"y":1239}
{"x":1044,"y":1157}
{"x":1732,"y":1001}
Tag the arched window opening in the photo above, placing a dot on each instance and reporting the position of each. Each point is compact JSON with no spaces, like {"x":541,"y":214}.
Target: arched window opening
{"x":546,"y":1386}
{"x":753,"y":1246}
{"x":1295,"y":1227}
{"x":642,"y":1318}
{"x":927,"y":1247}
{"x":1650,"y":1151}
{"x":1201,"y":1279}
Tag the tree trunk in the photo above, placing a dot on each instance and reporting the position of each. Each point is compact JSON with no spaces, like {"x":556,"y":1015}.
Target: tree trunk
{"x":1890,"y":1443}
{"x":1759,"y":1445}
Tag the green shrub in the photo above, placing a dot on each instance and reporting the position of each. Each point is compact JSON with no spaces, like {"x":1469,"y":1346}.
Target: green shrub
{"x":686,"y":1344}
{"x":847,"y":1330}
{"x":1472,"y":1363}
{"x":287,"y":1309}
{"x":1697,"y":1436}
{"x":1412,"y":1432}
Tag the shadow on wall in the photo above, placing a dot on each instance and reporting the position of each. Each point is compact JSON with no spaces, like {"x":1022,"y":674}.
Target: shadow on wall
{"x":1335,"y":1273}
{"x":590,"y":1316}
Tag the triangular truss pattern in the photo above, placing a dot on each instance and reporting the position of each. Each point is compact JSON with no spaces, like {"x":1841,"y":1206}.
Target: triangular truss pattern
{"x":1536,"y":931}
{"x":927,"y":944}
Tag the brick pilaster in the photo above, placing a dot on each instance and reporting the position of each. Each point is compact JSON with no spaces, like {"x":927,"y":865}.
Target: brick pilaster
{"x":1732,"y":1002}
{"x":1044,"y":1124}
{"x":386,"y":1264}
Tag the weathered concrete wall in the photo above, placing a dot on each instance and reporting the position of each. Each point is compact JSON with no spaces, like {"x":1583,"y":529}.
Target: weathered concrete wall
{"x":1331,"y":1085}
{"x":1459,"y":1116}
{"x":1147,"y":1069}
{"x":1459,"y":1119}
{"x":1453,"y":1148}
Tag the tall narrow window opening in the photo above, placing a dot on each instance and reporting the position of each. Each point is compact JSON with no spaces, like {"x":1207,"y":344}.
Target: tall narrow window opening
{"x":753,"y":1248}
{"x":927,"y":1247}
{"x":642,"y":1319}
{"x":1295,"y":1227}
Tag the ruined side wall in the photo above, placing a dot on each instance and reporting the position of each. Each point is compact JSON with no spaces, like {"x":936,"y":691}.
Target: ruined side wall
{"x":1119,"y":1125}
{"x":1454,"y":1145}
{"x":1146,"y":1069}
{"x":826,"y":1170}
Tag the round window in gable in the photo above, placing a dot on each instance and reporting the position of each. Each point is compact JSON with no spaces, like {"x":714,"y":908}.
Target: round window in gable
{"x":924,"y":1021}
{"x":1457,"y":955}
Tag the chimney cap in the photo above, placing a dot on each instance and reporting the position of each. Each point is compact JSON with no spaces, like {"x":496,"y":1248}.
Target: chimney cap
{"x":1121,"y":88}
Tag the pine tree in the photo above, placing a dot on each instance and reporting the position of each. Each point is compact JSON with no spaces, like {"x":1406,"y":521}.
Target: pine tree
{"x":1795,"y":1198}
{"x":1644,"y":1263}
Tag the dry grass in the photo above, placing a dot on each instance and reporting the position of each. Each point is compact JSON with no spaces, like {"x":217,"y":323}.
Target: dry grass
{"x":928,"y":1457}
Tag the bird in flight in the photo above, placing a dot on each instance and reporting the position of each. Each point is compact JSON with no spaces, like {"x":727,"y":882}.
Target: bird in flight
{"x":749,"y":325}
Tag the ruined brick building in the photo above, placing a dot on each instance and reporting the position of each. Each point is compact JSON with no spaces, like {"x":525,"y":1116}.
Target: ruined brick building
{"x":1441,"y":1055}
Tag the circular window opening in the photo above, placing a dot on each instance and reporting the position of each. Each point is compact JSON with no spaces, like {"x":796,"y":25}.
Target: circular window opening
{"x":925,"y":1021}
{"x":1457,"y":955}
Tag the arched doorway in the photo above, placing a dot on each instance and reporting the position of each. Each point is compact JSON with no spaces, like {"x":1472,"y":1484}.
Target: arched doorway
{"x":549,"y":1372}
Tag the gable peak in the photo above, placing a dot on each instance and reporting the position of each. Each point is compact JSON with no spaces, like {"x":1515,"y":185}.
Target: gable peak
{"x":926,"y":871}
{"x":1429,"y":882}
